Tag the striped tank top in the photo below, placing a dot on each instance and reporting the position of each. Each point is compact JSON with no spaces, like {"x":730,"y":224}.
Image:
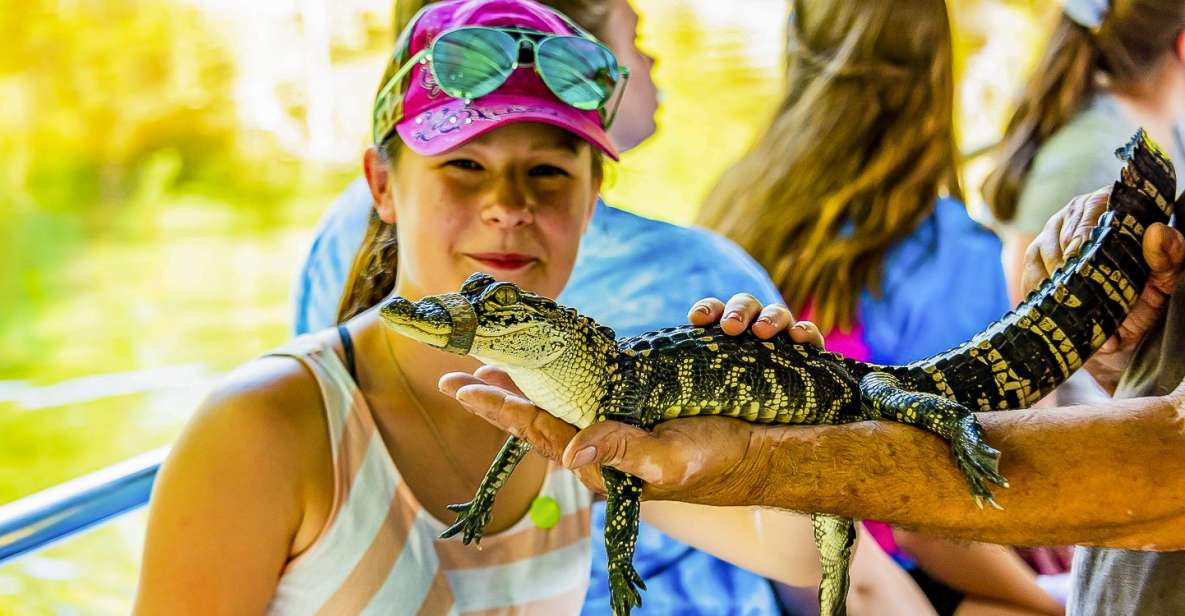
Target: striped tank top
{"x":379,"y":551}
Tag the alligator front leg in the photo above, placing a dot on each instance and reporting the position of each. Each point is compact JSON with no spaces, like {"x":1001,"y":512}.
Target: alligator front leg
{"x":475,"y":514}
{"x":834,"y":537}
{"x":622,"y":502}
{"x":883,"y":396}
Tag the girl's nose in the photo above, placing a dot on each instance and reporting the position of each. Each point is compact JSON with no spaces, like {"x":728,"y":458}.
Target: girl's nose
{"x":507,"y":215}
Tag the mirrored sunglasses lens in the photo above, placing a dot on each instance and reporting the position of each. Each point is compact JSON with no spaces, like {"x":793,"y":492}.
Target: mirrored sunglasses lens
{"x":580,"y":72}
{"x":472,"y":62}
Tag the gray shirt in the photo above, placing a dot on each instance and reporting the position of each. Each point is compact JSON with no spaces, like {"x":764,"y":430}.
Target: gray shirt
{"x":1078,"y":159}
{"x":1124,"y":582}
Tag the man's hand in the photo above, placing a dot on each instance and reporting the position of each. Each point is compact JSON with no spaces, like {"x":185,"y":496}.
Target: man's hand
{"x":1164,"y":250}
{"x":710,"y":460}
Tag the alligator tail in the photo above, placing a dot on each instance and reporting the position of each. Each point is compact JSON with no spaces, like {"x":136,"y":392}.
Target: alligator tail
{"x":1034,"y":348}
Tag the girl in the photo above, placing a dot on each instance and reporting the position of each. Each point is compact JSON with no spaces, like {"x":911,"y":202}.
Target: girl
{"x":1108,"y":68}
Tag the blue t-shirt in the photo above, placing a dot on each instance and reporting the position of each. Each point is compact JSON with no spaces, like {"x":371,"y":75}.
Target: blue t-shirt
{"x":633,"y":274}
{"x":941,"y":285}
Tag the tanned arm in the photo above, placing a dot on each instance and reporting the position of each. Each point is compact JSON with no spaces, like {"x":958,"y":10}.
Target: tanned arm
{"x":1110,"y":475}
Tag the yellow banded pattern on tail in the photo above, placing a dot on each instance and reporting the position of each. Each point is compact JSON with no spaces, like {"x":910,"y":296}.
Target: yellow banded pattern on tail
{"x":1030,"y":351}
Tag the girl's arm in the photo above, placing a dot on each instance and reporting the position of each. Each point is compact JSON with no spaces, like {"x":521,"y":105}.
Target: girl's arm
{"x":228,"y":501}
{"x":779,"y":545}
{"x":1013,"y":258}
{"x":771,"y":543}
{"x":981,"y":570}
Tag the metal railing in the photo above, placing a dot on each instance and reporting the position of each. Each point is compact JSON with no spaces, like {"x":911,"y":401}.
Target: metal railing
{"x":41,"y":519}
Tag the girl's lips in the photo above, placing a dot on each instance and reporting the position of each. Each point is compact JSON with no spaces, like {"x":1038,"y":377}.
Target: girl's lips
{"x":503,"y":260}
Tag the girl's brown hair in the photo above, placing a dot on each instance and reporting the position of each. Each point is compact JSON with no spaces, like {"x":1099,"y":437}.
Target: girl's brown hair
{"x":373,"y":274}
{"x":859,"y":149}
{"x":1132,"y":38}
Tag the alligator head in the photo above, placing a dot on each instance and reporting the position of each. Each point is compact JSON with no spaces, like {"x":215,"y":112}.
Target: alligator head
{"x":560,"y":359}
{"x":493,"y":321}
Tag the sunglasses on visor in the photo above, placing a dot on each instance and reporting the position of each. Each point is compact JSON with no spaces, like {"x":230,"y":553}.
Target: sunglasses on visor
{"x":473,"y":61}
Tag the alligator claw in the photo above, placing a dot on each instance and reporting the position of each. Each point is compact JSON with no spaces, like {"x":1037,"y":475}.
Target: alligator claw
{"x":624,"y":584}
{"x":979,"y":464}
{"x":472,"y":518}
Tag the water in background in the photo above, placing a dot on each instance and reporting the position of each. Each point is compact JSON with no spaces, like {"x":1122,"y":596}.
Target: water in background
{"x":162,"y":165}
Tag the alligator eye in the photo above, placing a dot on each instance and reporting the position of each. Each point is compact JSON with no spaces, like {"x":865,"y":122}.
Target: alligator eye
{"x":476,"y":282}
{"x":504,"y":294}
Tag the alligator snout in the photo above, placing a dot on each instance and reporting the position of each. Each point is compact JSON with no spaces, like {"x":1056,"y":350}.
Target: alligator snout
{"x":425,"y":321}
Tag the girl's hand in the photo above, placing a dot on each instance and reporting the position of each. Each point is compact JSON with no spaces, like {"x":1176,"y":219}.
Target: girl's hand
{"x":745,"y":311}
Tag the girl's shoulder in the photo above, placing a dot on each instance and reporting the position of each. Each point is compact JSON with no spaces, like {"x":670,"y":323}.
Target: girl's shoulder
{"x":266,"y":410}
{"x":244,"y":476}
{"x":940,"y":285}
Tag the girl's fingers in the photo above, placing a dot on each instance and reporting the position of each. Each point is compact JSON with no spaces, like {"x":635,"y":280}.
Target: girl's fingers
{"x":706,"y":311}
{"x":805,"y":332}
{"x":739,"y":313}
{"x":773,"y":320}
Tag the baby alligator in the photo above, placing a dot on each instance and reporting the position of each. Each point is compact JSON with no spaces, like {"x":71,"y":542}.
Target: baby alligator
{"x":578,"y":371}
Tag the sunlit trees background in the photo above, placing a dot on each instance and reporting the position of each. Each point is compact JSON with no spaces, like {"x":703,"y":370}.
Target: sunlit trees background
{"x":163,"y":164}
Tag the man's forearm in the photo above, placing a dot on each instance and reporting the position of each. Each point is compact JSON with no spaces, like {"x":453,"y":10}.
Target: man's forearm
{"x":1112,"y":474}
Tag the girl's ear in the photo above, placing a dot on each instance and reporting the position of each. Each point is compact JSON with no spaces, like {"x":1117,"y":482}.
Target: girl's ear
{"x":1179,"y":46}
{"x":380,"y":177}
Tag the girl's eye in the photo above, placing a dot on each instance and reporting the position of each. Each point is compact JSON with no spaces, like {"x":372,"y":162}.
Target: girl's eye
{"x":464,"y":163}
{"x":547,"y":171}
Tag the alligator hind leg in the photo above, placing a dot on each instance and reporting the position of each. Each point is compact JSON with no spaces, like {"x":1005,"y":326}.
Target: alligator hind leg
{"x":474,"y":515}
{"x":622,"y":499}
{"x":834,"y":537}
{"x":884,"y":397}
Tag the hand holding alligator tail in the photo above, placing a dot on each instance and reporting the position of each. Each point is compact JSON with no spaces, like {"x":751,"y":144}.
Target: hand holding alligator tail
{"x":579,"y":373}
{"x":1163,"y":249}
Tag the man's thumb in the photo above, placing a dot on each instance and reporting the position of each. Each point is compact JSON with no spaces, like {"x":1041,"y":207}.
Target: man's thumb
{"x":611,"y":443}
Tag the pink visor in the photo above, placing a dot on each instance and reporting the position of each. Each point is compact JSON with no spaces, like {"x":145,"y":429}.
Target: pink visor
{"x":433,"y":122}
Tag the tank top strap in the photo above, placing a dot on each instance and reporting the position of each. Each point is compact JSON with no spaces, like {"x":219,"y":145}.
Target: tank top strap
{"x":353,"y":434}
{"x":344,"y":403}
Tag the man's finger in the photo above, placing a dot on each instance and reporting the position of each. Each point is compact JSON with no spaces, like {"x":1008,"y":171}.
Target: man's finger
{"x":1034,"y":268}
{"x":627,"y":448}
{"x":546,"y":434}
{"x":452,"y":381}
{"x":706,"y":312}
{"x":1076,"y":229}
{"x":1164,"y":250}
{"x":739,"y":312}
{"x":499,"y":378}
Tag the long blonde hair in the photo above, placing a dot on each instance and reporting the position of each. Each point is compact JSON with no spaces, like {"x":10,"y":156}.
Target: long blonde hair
{"x":374,"y":271}
{"x":1132,"y":37}
{"x":858,"y":151}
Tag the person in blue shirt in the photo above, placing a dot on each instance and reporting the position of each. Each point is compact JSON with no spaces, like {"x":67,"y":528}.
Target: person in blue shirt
{"x":633,"y":274}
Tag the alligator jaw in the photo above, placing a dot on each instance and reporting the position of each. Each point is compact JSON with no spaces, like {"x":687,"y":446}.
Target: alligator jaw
{"x":424,"y":321}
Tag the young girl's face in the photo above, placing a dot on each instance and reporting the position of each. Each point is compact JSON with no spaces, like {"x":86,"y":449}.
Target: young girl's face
{"x":512,"y":203}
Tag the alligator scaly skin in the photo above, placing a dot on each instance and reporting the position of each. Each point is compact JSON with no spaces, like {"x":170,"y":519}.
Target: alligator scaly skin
{"x":574,"y":369}
{"x":1010,"y":365}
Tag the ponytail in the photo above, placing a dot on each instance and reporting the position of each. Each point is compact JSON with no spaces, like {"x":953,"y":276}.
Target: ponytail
{"x":375,"y":268}
{"x":372,"y":276}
